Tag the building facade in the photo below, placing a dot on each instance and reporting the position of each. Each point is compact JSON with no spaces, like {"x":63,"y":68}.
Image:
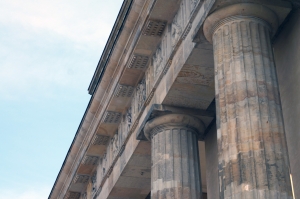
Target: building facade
{"x":192,"y":99}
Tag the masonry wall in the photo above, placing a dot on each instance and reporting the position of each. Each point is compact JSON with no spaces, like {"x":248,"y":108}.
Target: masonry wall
{"x":287,"y":57}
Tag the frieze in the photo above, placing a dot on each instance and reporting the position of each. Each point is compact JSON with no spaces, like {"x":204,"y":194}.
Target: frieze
{"x":123,"y":129}
{"x":94,"y":178}
{"x":82,"y":179}
{"x":128,"y":120}
{"x":157,"y":60}
{"x":115,"y":144}
{"x":155,"y":67}
{"x":154,"y":28}
{"x":100,"y":140}
{"x":141,"y":93}
{"x":176,"y":28}
{"x":111,"y":117}
{"x":149,"y":79}
{"x":124,"y":90}
{"x":94,"y":182}
{"x":133,"y":107}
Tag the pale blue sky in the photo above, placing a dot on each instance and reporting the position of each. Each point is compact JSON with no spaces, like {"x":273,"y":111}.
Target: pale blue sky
{"x":49,"y":50}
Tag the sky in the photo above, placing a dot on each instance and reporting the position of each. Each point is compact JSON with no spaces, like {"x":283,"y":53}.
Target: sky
{"x":49,"y":50}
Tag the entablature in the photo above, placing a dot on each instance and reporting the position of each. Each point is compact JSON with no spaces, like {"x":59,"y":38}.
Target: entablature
{"x":150,"y":43}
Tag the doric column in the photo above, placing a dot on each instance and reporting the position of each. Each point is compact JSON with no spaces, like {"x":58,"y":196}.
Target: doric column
{"x":253,"y":158}
{"x":175,"y":169}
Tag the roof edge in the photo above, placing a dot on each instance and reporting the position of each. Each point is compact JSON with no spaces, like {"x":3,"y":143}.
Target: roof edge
{"x":109,"y":47}
{"x":114,"y":35}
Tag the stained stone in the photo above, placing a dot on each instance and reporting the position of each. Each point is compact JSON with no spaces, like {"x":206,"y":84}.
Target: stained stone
{"x":253,"y":158}
{"x":175,"y":169}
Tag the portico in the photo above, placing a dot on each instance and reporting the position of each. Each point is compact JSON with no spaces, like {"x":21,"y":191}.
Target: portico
{"x":185,"y":104}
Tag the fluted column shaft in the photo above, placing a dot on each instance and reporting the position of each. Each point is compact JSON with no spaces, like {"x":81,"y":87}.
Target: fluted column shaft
{"x":175,"y":171}
{"x":253,"y":158}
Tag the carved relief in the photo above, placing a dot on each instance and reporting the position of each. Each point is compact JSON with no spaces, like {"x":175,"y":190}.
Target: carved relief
{"x":104,"y":162}
{"x":176,"y":28}
{"x":94,"y":182}
{"x":128,"y":120}
{"x":115,"y":144}
{"x":94,"y":178}
{"x":100,"y":140}
{"x":141,"y":94}
{"x":157,"y":61}
{"x":149,"y":79}
{"x":160,"y":64}
{"x":81,"y":179}
{"x":134,"y":107}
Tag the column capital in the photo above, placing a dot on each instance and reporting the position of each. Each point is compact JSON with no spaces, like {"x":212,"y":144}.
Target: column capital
{"x":172,"y":121}
{"x":249,"y":11}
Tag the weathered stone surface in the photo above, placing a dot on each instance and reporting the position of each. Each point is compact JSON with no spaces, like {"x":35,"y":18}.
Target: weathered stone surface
{"x":162,"y":58}
{"x":175,"y":171}
{"x":253,"y":158}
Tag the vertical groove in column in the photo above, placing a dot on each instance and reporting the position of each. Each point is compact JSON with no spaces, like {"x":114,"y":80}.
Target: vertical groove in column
{"x":197,"y":167}
{"x":177,"y":162}
{"x":249,"y":77}
{"x":189,"y":177}
{"x":175,"y":158}
{"x":181,"y":165}
{"x":255,"y":116}
{"x":173,"y":191}
{"x":269,"y":141}
{"x":218,"y":60}
{"x":253,"y":160}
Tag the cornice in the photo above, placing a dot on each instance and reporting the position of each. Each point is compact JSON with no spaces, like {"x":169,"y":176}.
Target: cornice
{"x":109,"y":47}
{"x":75,"y":151}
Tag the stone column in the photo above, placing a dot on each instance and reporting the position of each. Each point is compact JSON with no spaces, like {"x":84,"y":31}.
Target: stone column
{"x":175,"y":169}
{"x":252,"y":150}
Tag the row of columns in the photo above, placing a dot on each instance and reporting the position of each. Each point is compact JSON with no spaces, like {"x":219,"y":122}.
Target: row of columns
{"x":252,"y":149}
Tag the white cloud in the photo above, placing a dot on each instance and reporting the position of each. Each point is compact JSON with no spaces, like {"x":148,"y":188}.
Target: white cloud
{"x":82,"y":21}
{"x":33,"y":193}
{"x":51,"y":44}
